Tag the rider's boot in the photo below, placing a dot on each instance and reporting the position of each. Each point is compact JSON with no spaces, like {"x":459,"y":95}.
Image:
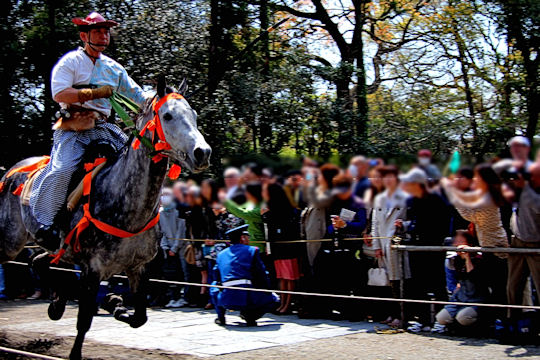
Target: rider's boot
{"x":48,"y":236}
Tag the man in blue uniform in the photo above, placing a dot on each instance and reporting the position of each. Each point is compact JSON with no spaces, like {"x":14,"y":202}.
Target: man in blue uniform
{"x":241,"y":266}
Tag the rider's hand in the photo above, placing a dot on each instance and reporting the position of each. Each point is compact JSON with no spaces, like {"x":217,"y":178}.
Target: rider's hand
{"x":90,"y":94}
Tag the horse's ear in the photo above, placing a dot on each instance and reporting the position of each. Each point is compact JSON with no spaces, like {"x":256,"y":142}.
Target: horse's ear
{"x":183,"y":87}
{"x":161,"y":86}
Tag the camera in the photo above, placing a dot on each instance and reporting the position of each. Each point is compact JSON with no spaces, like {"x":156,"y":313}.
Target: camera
{"x":514,"y":174}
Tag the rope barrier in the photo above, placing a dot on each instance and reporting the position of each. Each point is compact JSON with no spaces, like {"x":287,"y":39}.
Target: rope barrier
{"x":467,"y":249}
{"x":287,"y":241}
{"x":304,"y":293}
{"x":29,"y":354}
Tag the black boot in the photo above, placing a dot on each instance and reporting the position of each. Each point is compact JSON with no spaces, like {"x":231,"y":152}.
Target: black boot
{"x":220,"y":320}
{"x":48,"y":237}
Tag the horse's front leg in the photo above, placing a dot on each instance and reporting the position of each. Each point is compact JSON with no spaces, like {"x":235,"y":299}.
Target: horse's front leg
{"x":87,"y":309}
{"x":138,"y":283}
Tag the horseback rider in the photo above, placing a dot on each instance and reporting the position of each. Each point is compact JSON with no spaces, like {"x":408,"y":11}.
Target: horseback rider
{"x":81,"y":82}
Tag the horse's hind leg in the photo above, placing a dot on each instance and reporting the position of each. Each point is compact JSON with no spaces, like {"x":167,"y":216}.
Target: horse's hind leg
{"x":138,"y":283}
{"x":87,"y":309}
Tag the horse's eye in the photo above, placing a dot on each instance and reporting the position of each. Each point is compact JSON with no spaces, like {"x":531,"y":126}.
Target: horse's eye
{"x":167,"y":116}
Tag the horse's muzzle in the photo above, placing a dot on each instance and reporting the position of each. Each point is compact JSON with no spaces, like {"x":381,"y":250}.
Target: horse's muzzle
{"x":201,"y":156}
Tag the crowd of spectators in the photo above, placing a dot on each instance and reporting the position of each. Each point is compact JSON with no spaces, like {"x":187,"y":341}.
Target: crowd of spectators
{"x":361,"y":211}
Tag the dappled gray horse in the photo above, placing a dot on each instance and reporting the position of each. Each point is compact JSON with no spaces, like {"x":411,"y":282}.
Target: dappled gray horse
{"x":124,"y":194}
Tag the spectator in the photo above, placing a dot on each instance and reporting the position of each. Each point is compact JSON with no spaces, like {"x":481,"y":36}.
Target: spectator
{"x":482,"y":208}
{"x":427,"y":223}
{"x":389,"y":206}
{"x":520,"y":147}
{"x":526,"y":228}
{"x":537,"y":159}
{"x":282,"y":220}
{"x":251,"y":214}
{"x":267,"y":176}
{"x":179,"y":191}
{"x":172,"y":230}
{"x":367,"y":255}
{"x":344,"y":199}
{"x":252,"y":173}
{"x":463,"y":182}
{"x":431,"y":170}
{"x":211,"y":230}
{"x":335,"y":269}
{"x":317,"y":187}
{"x":376,"y":187}
{"x":293,"y":189}
{"x":231,"y":176}
{"x":195,"y":261}
{"x":358,"y":169}
{"x":471,"y":289}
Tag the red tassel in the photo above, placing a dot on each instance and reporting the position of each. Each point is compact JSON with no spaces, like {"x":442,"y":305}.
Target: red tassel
{"x":174,"y":171}
{"x":2,"y":186}
{"x":58,"y":256}
{"x":18,"y":190}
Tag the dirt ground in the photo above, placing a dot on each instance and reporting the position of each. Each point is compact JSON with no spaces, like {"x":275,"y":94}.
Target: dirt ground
{"x":356,"y":346}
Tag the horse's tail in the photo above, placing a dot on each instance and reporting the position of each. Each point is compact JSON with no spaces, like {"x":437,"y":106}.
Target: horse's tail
{"x":13,"y":234}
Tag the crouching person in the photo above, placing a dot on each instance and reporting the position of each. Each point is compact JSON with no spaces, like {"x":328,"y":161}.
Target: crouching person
{"x":470,"y":287}
{"x":240,"y":265}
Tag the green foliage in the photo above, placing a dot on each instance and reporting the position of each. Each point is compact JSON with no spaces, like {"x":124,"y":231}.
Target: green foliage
{"x":440,"y":75}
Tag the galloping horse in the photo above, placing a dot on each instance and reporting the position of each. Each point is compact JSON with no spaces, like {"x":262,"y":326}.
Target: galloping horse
{"x":125,"y":195}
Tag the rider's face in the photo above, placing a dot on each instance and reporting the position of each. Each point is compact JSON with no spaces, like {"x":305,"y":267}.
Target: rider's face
{"x":99,"y":38}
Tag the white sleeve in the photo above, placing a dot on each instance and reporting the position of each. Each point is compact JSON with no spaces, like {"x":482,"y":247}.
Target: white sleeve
{"x":63,"y":75}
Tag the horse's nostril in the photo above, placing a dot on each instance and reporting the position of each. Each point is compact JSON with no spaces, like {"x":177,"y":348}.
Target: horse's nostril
{"x":199,"y":155}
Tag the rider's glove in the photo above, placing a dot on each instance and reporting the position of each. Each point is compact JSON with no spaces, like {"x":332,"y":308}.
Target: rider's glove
{"x":90,"y":94}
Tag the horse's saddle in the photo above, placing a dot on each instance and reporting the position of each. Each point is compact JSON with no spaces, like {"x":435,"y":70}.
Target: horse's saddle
{"x":96,"y":149}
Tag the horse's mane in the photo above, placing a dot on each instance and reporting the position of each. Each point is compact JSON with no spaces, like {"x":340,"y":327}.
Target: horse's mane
{"x":146,"y":109}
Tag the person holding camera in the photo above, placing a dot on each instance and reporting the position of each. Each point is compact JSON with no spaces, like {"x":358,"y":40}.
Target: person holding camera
{"x":525,"y":224}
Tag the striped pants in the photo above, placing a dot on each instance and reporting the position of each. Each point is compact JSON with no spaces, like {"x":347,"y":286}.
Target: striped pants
{"x":50,"y":187}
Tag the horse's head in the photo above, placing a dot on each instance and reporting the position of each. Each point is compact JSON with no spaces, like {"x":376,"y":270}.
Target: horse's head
{"x":179,"y":123}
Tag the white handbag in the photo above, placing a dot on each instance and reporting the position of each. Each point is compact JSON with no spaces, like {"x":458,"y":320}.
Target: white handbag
{"x":378,"y":276}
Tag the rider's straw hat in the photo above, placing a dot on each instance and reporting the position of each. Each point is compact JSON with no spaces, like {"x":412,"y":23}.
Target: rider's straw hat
{"x":94,"y":20}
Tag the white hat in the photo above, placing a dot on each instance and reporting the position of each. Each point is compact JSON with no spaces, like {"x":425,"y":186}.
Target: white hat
{"x":414,"y":175}
{"x":521,"y":140}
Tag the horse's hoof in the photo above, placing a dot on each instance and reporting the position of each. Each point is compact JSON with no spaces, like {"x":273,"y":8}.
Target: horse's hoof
{"x":121,"y":313}
{"x":56,"y":310}
{"x":137,"y":322}
{"x":111,"y":302}
{"x":75,"y":356}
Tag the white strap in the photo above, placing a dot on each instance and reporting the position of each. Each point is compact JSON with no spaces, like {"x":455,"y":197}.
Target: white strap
{"x":237,"y":282}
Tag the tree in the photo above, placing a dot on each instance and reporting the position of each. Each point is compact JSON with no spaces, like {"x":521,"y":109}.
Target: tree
{"x":386,"y":23}
{"x":457,"y":49}
{"x":520,"y":21}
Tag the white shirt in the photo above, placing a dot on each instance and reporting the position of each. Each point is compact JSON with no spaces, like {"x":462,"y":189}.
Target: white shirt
{"x":77,"y":68}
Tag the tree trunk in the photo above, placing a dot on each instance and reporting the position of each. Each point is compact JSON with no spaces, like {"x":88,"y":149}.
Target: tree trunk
{"x":516,"y":21}
{"x":214,"y":64}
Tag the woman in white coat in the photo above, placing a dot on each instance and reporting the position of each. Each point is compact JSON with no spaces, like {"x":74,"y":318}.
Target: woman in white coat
{"x":389,"y":206}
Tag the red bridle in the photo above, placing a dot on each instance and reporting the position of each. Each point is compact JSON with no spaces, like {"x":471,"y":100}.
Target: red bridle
{"x":154,"y":126}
